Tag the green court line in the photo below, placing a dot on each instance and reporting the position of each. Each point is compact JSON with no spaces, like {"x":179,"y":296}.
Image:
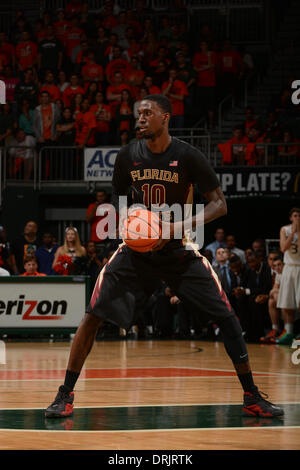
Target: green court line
{"x":147,"y":418}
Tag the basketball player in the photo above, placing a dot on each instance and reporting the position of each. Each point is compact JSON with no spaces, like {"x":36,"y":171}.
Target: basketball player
{"x":161,"y":169}
{"x":289,"y":291}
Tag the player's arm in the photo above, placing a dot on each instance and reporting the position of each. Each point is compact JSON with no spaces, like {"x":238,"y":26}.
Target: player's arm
{"x":285,"y":242}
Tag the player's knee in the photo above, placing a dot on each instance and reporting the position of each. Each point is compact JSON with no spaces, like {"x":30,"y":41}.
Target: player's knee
{"x":91,"y":321}
{"x":230,"y":327}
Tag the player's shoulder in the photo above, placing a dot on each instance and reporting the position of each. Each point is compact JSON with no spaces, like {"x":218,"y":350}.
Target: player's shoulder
{"x":286,"y":228}
{"x":188,"y":149}
{"x":131,"y":149}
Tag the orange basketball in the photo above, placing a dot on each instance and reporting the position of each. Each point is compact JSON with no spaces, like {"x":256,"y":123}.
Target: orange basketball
{"x":142,"y":230}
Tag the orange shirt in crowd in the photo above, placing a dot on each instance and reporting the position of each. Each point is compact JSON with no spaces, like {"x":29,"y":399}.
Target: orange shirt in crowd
{"x":94,"y":222}
{"x":33,"y":274}
{"x":99,"y":111}
{"x":73,"y":8}
{"x":109,"y":22}
{"x":47,"y":121}
{"x":205,"y":77}
{"x":53,"y":91}
{"x":229,"y":61}
{"x":8,"y":49}
{"x":3,"y":61}
{"x":70,"y":92}
{"x":116,"y":90}
{"x":92,"y":71}
{"x":61,"y":28}
{"x":84,"y":122}
{"x":116,"y":65}
{"x":26,"y":53}
{"x":154,"y":90}
{"x":125,"y":109}
{"x":178,"y":88}
{"x":72,"y":39}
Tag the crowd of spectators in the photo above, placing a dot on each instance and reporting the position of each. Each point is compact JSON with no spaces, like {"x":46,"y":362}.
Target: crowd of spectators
{"x":250,"y":277}
{"x":75,"y":78}
{"x":279,"y":128}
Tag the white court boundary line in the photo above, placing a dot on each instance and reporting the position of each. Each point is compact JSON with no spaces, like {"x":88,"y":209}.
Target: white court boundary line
{"x":152,"y":430}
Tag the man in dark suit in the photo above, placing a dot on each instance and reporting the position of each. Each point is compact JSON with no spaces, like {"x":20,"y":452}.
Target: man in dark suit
{"x":252,"y":296}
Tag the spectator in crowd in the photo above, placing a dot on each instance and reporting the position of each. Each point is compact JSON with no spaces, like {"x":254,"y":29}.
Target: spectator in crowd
{"x":102,"y":112}
{"x":45,"y":118}
{"x":289,"y":291}
{"x":26,"y":118}
{"x":69,"y":251}
{"x":289,"y":149}
{"x":272,"y":128}
{"x":26,"y":52}
{"x":11,"y":81}
{"x":116,"y":64}
{"x":204,"y":63}
{"x":76,"y":104}
{"x":176,"y":91}
{"x":114,"y":91}
{"x":235,"y":150}
{"x":230,"y":68}
{"x":222,"y":268}
{"x":27,"y":89}
{"x":250,"y":119}
{"x":161,"y":74}
{"x":24,"y":245}
{"x":61,"y":25}
{"x":218,"y":243}
{"x":101,"y":45}
{"x":72,"y":90}
{"x":65,"y":128}
{"x":31,"y":267}
{"x":231,"y":245}
{"x":274,"y":312}
{"x":121,"y":28}
{"x":91,"y":71}
{"x":22,"y":153}
{"x":237,"y":296}
{"x":62,"y":81}
{"x":143,"y":92}
{"x":135,"y":76}
{"x":50,"y":53}
{"x":5,"y":258}
{"x":256,"y":295}
{"x":72,"y":39}
{"x":7,"y":123}
{"x":258,"y":245}
{"x":8,"y":49}
{"x":89,"y":265}
{"x":124,"y":113}
{"x":85,"y":125}
{"x":50,"y":86}
{"x":208,"y":255}
{"x":257,"y":155}
{"x":74,"y":7}
{"x":91,"y":218}
{"x":45,"y":254}
{"x":148,"y":83}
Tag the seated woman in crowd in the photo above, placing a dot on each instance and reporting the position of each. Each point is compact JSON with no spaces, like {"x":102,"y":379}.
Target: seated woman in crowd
{"x":68,"y":252}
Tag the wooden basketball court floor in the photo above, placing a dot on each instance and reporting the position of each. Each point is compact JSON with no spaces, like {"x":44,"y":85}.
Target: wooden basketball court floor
{"x":145,"y":395}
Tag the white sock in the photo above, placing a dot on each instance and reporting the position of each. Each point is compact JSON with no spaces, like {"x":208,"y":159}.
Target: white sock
{"x":275,"y":327}
{"x":289,"y":328}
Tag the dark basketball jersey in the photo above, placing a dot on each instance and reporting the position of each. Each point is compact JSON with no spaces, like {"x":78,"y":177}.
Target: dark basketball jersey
{"x":162,"y":178}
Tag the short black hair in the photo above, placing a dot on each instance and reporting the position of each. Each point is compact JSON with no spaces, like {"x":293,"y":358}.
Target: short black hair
{"x":235,"y":259}
{"x":163,"y":102}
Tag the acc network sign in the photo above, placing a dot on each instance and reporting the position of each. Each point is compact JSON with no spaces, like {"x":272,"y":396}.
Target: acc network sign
{"x":99,"y":163}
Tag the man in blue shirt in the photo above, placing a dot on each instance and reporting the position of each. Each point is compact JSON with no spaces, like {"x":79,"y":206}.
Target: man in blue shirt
{"x":218,"y":243}
{"x":45,"y":254}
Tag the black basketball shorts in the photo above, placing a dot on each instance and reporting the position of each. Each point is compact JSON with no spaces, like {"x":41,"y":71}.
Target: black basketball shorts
{"x":126,"y":282}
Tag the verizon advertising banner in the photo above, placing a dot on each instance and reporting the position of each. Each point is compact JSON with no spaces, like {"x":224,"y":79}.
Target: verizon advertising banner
{"x":99,"y":163}
{"x":30,"y":305}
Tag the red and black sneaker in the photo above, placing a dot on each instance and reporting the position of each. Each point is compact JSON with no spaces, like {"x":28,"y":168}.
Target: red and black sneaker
{"x":62,"y":405}
{"x":256,"y":405}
